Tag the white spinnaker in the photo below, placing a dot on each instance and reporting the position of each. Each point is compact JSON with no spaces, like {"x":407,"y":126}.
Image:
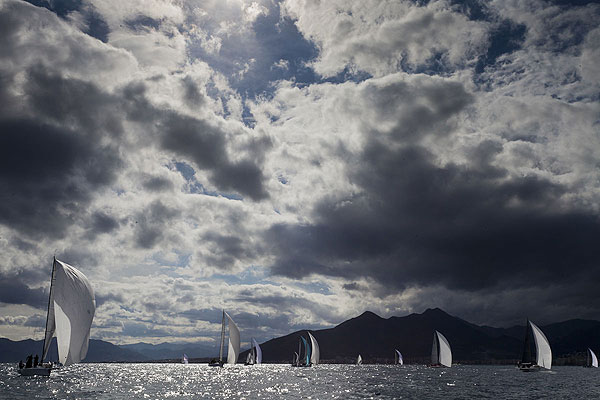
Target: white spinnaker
{"x":594,"y":358}
{"x":315,"y":356}
{"x":400,"y":359}
{"x":234,"y":342}
{"x":542,"y":347}
{"x":445,"y":355}
{"x":71,"y":310}
{"x":258,"y":351}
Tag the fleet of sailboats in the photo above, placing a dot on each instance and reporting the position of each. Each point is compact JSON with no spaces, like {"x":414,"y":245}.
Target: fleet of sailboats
{"x":543,"y":353}
{"x":71,"y":309}
{"x":72,"y":305}
{"x":310,"y":355}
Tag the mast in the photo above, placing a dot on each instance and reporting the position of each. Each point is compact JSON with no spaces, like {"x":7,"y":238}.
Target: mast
{"x":48,"y":310}
{"x":222,"y":337}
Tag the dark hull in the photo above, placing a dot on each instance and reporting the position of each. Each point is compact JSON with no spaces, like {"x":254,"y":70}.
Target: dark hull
{"x":529,"y":367}
{"x":37,"y":371}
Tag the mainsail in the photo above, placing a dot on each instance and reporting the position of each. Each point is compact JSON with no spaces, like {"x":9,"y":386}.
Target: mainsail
{"x":399,"y":359}
{"x":71,"y":308}
{"x":258,"y":352}
{"x":359,"y":360}
{"x":592,"y":359}
{"x":542,"y":347}
{"x":316,"y":354}
{"x":440,"y":352}
{"x":233,"y":350}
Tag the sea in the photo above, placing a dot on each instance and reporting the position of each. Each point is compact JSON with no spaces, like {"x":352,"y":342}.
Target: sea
{"x":278,"y":381}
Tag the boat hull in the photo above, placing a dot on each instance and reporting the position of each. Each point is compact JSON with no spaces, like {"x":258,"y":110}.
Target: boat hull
{"x":529,"y":367}
{"x":216,"y":364}
{"x":37,"y":371}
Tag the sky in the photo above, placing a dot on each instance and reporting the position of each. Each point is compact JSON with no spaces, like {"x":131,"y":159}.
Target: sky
{"x":297,"y":162}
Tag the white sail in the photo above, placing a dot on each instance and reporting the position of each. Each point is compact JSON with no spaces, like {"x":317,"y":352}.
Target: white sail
{"x":359,"y":360}
{"x":184,"y":359}
{"x":400,"y":359}
{"x":594,"y":358}
{"x":444,"y":354}
{"x":542,"y":347}
{"x":315,"y":356}
{"x":70,"y":313}
{"x":258,"y":351}
{"x":234,"y":342}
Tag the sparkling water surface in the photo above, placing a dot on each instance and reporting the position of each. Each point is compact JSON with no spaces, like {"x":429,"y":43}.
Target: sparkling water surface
{"x":276,"y":381}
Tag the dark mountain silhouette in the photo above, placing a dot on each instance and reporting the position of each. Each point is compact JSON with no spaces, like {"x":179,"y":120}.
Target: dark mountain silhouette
{"x":98,"y":351}
{"x":164,"y":351}
{"x":375,"y":338}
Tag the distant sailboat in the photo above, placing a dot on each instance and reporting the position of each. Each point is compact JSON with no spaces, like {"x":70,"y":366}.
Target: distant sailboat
{"x":592,"y":360}
{"x":542,"y":346}
{"x":441,"y":355}
{"x":311,"y":354}
{"x":71,"y":309}
{"x":255,"y":354}
{"x":233,"y":348}
{"x":359,"y":360}
{"x":398,"y":358}
{"x":184,"y":359}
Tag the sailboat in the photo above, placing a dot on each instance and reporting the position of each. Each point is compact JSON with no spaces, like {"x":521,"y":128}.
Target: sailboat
{"x":311,"y":355}
{"x":184,"y":359}
{"x":359,"y":360}
{"x":233,"y":348}
{"x":398,"y":358}
{"x":441,"y":355}
{"x":255,"y":354}
{"x":542,"y":346}
{"x":71,"y":308}
{"x":592,"y":360}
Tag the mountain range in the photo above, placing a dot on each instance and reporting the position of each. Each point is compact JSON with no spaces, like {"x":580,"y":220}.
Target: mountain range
{"x":370,"y":335}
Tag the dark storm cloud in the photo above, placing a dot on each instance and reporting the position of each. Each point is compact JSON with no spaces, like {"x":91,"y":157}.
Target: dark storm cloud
{"x":151,"y":224}
{"x":103,"y":223}
{"x":51,"y":161}
{"x":47,"y":172}
{"x":417,"y":222}
{"x":14,"y":290}
{"x":205,"y":144}
{"x":459,"y":227}
{"x":226,"y":250}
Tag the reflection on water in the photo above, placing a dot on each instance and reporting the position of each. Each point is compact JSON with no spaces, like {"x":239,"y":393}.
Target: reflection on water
{"x":197,"y":381}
